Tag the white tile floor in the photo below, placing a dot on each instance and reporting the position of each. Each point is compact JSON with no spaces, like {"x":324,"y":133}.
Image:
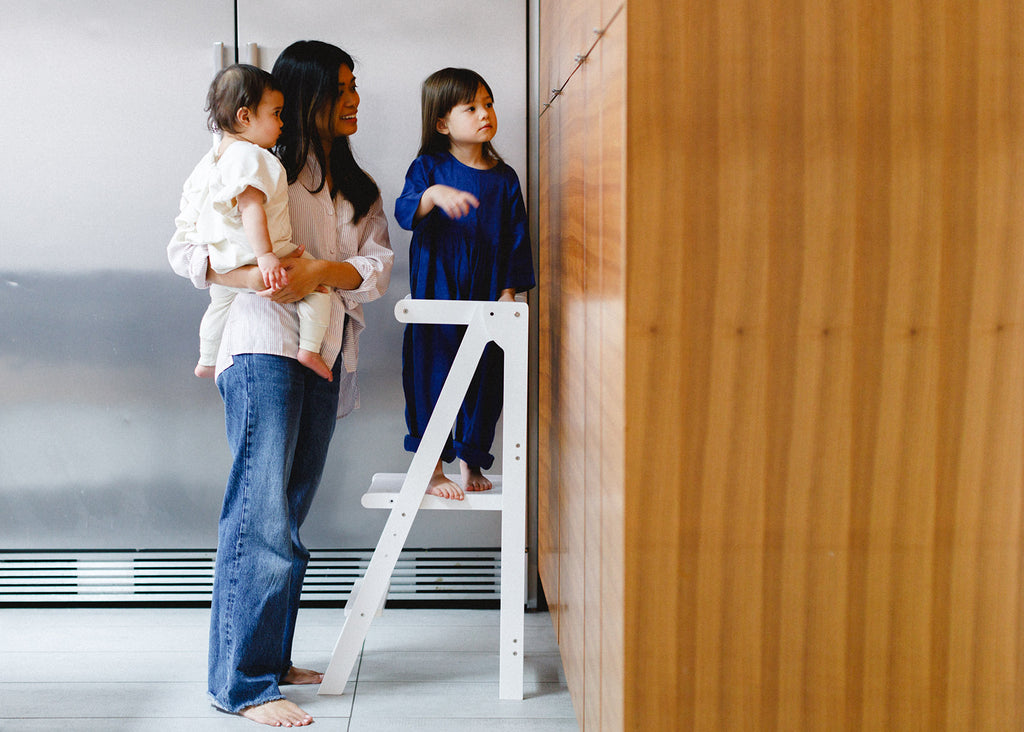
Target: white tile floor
{"x":145,"y":669}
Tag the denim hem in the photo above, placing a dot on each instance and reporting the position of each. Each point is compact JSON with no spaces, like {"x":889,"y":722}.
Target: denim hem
{"x":288,"y":667}
{"x":259,"y":700}
{"x":473,"y":456}
{"x":412,"y":444}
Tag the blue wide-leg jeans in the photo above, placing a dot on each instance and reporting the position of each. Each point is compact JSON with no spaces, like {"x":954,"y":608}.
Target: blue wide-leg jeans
{"x":279,"y":417}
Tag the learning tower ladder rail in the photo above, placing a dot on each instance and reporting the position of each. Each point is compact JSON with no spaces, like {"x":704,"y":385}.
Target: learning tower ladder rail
{"x":507,"y":325}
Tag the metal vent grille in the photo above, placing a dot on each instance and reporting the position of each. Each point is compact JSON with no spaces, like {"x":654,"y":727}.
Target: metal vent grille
{"x":187,"y":576}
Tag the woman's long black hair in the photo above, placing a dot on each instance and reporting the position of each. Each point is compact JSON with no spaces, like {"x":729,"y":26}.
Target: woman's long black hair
{"x":307,"y":72}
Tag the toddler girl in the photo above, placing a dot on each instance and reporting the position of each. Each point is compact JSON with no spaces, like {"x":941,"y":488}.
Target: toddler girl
{"x":236,"y":202}
{"x":470,"y":241}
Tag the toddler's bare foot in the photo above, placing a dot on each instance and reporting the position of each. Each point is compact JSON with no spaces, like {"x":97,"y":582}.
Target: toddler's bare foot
{"x":204,"y":372}
{"x":296,"y":675}
{"x":441,"y":486}
{"x":277,"y":713}
{"x":473,"y":479}
{"x":313,"y":360}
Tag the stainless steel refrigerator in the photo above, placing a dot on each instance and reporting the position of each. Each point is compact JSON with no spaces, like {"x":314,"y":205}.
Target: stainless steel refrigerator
{"x":112,"y":454}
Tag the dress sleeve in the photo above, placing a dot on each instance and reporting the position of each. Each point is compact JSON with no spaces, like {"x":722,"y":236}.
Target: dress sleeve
{"x":186,"y":252}
{"x":417,"y":180}
{"x":243,"y":165}
{"x":374,"y":258}
{"x":519,"y":270}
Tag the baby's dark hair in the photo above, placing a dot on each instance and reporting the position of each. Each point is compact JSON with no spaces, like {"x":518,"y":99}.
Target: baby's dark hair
{"x":442,"y":91}
{"x":235,"y":87}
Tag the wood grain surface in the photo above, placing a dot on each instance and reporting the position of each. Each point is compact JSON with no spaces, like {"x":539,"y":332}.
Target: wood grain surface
{"x":784,"y":365}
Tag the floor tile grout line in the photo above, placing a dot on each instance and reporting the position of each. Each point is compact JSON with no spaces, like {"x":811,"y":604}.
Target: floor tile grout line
{"x":355,"y":686}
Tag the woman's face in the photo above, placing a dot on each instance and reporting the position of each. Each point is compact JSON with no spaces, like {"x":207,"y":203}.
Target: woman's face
{"x":341,"y":120}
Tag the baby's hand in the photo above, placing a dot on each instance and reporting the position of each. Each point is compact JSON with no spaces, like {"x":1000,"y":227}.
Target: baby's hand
{"x":452,"y":201}
{"x":274,"y":274}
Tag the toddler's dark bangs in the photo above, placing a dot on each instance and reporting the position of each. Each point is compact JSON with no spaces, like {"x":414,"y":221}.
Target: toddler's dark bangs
{"x":464,"y":86}
{"x":464,"y":93}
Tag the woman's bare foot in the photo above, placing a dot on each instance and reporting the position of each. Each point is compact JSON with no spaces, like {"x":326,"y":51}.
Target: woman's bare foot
{"x":204,"y":372}
{"x":296,"y":675}
{"x":313,"y":360}
{"x":473,"y":479}
{"x":277,"y":713}
{"x":442,"y":487}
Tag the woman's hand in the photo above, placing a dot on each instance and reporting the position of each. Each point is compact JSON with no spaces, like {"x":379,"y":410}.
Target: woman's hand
{"x":250,"y":277}
{"x":304,"y":277}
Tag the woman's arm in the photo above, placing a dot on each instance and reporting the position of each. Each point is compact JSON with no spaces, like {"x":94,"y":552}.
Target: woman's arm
{"x":373,"y":258}
{"x":306,"y":275}
{"x":248,"y":277}
{"x":187,"y":254}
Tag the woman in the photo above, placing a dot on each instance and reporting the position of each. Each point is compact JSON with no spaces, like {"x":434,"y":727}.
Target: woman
{"x":280,"y":415}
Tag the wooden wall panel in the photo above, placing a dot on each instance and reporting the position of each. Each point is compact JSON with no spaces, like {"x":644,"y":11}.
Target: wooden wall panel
{"x":609,"y":57}
{"x":569,"y":29}
{"x":549,"y":358}
{"x":573,"y":396}
{"x":807,"y":508}
{"x":673,"y":214}
{"x":582,"y":326}
{"x":995,"y":391}
{"x":848,"y":484}
{"x":566,"y":30}
{"x":589,"y":83}
{"x":812,"y":646}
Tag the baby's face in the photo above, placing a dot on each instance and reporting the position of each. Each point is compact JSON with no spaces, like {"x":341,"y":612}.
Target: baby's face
{"x":265,"y":126}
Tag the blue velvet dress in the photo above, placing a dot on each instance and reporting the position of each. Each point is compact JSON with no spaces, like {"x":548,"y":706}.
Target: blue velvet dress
{"x":472,"y":258}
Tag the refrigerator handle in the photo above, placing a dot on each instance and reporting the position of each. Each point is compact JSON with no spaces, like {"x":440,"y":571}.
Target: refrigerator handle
{"x":253,"y":50}
{"x":218,"y":56}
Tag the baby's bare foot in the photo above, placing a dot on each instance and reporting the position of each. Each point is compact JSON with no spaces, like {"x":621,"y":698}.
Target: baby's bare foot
{"x":442,"y":487}
{"x":204,"y":372}
{"x":313,"y":360}
{"x":473,"y":479}
{"x":296,"y":675}
{"x":277,"y":713}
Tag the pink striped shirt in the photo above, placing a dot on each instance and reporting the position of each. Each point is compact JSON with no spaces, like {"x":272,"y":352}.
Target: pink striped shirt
{"x":324,"y":226}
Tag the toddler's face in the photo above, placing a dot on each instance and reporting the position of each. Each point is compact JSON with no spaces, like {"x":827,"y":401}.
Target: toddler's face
{"x":472,"y":122}
{"x":265,"y":126}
